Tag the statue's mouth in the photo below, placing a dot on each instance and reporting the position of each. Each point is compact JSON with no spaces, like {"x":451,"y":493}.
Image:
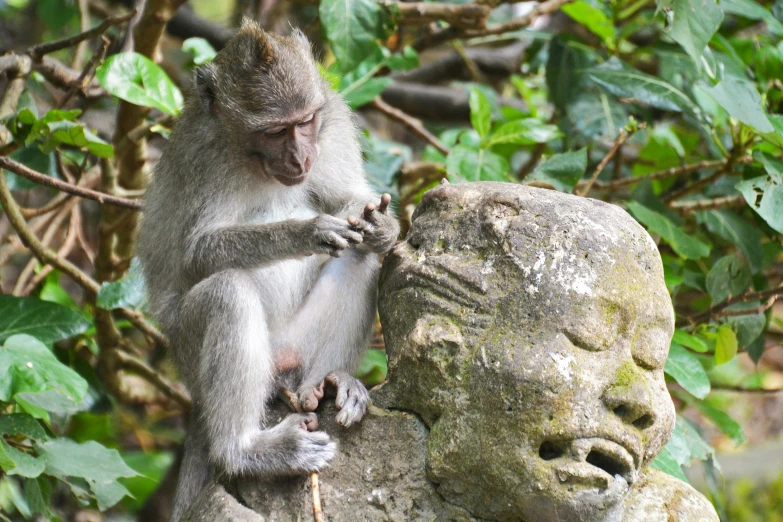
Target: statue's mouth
{"x":595,"y":462}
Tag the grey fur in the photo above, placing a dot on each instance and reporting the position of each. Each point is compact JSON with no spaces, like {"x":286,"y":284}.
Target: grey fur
{"x":238,"y":265}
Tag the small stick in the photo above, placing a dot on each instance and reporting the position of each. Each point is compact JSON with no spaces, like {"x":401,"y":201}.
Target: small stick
{"x":37,"y":51}
{"x":622,"y":137}
{"x":315,"y":487}
{"x":101,"y":197}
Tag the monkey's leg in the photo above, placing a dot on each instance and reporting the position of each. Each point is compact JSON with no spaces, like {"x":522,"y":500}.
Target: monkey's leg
{"x":332,"y":328}
{"x":235,"y":380}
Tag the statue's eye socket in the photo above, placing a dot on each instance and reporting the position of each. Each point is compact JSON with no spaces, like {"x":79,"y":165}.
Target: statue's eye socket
{"x":585,"y":344}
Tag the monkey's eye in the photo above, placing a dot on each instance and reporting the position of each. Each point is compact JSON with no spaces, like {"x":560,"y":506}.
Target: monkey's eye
{"x":307,"y":121}
{"x":275,"y":132}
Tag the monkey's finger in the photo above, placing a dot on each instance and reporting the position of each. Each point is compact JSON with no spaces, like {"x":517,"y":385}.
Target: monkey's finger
{"x":361,"y":225}
{"x":352,"y":237}
{"x":334,"y":239}
{"x":369,"y":208}
{"x":385,"y":200}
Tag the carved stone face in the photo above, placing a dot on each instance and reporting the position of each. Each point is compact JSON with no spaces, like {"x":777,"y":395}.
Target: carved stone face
{"x":530,"y":329}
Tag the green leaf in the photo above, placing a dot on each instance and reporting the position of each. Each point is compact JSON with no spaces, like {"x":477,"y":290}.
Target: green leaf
{"x":729,"y":276}
{"x":201,"y":49}
{"x":152,"y":467}
{"x":27,"y":366}
{"x":748,"y":327}
{"x":23,"y":464}
{"x":725,"y":345}
{"x":691,"y":341}
{"x":764,"y":194}
{"x":37,"y":493}
{"x":754,"y":11}
{"x":620,"y":79}
{"x":75,"y":135}
{"x":31,"y":156}
{"x":21,"y":424}
{"x":466,"y":163}
{"x":590,"y":17}
{"x":140,"y":81}
{"x":737,"y":231}
{"x":99,"y":466}
{"x":128,"y":292}
{"x":480,"y":113}
{"x":524,"y":132}
{"x":721,"y":419}
{"x":683,"y":244}
{"x":666,"y":462}
{"x":405,"y":61}
{"x":742,"y":101}
{"x":562,"y":171}
{"x":692,"y":23}
{"x":372,"y":370}
{"x":364,"y":93}
{"x":352,"y":28}
{"x":48,"y":322}
{"x":686,"y":369}
{"x":382,"y":162}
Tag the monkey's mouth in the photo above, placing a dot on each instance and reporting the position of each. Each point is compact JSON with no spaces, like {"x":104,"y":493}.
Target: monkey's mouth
{"x":596,"y":462}
{"x":290,"y":181}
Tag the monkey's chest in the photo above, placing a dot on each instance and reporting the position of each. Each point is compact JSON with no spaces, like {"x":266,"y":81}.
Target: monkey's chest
{"x":283,"y":285}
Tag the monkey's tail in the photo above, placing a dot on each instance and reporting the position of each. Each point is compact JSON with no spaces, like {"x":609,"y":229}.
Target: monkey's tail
{"x":195,"y":471}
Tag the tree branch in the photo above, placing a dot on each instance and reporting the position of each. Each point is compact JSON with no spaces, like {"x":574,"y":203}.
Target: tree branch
{"x":719,"y":310}
{"x":76,"y":190}
{"x":464,"y":16}
{"x":622,"y":136}
{"x":414,"y":125}
{"x":38,"y":51}
{"x":708,"y":204}
{"x":149,"y":374}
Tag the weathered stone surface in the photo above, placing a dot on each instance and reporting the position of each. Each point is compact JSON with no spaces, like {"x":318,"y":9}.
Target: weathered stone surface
{"x":527,"y":331}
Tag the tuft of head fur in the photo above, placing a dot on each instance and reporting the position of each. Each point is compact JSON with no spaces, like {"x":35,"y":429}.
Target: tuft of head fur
{"x":260,"y":76}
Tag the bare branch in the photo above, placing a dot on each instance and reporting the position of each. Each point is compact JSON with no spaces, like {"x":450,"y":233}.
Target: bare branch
{"x":101,"y":197}
{"x":148,"y":373}
{"x":708,"y":204}
{"x":464,"y":16}
{"x":719,"y":310}
{"x":622,"y":136}
{"x":38,"y":51}
{"x":87,"y":74}
{"x":414,"y":125}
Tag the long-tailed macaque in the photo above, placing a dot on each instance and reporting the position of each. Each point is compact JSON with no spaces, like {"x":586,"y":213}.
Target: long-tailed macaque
{"x":260,"y":242}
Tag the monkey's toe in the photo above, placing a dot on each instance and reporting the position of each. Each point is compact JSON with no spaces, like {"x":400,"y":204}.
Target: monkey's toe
{"x":309,"y":397}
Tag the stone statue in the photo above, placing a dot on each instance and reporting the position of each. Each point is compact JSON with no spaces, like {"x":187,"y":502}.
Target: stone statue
{"x":526,"y":332}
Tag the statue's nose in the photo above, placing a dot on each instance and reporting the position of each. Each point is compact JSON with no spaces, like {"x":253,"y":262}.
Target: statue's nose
{"x":630,"y":399}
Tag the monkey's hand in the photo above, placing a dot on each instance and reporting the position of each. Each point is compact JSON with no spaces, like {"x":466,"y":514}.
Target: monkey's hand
{"x":379,"y":228}
{"x":327,"y":234}
{"x":351,"y":397}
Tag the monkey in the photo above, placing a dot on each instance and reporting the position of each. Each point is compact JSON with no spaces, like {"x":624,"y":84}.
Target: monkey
{"x":260,"y":241}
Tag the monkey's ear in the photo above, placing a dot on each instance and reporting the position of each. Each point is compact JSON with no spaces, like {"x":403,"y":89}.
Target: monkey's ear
{"x":205,"y":86}
{"x":301,"y":39}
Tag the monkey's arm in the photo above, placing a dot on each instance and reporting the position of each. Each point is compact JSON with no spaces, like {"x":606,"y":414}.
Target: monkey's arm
{"x":249,"y":246}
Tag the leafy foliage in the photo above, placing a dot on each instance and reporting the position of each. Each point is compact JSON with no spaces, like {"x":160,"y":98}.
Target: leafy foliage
{"x":704,"y":177}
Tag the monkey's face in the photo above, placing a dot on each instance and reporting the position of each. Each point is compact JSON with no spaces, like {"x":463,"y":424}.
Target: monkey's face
{"x":264,"y":94}
{"x":286,"y":150}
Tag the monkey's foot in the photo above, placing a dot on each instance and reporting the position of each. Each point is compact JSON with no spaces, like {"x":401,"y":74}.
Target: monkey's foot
{"x":309,"y":396}
{"x":352,"y":397}
{"x":293,"y":447}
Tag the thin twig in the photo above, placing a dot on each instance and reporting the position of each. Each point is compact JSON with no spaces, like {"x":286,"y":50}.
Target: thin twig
{"x":708,"y":204}
{"x":101,"y":197}
{"x":64,"y":251}
{"x":622,"y":136}
{"x":717,"y":310}
{"x":87,"y":73}
{"x":453,"y":32}
{"x":530,"y":164}
{"x":682,"y":170}
{"x":466,"y":16}
{"x":292,"y":400}
{"x":59,"y":199}
{"x":38,"y":51}
{"x":149,"y":374}
{"x":84,"y":25}
{"x":700,"y":184}
{"x":414,"y":125}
